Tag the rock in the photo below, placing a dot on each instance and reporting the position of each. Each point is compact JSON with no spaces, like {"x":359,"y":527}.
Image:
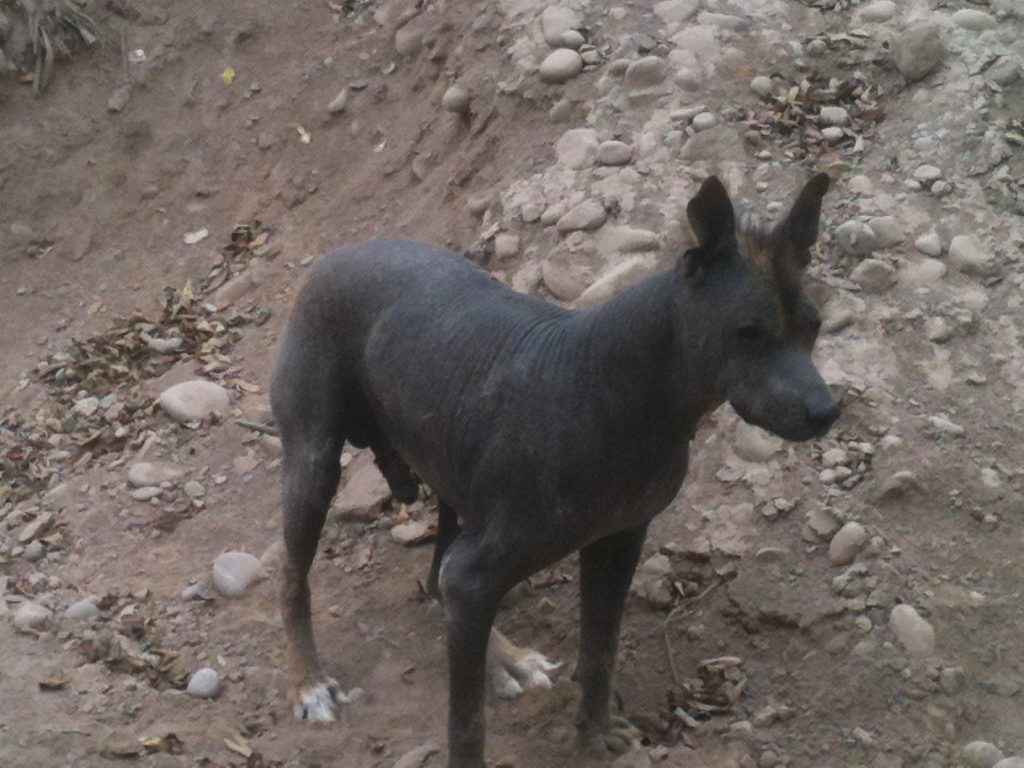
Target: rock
{"x":555,"y":21}
{"x":968,"y":256}
{"x":927,"y":173}
{"x":563,"y":284}
{"x":704,"y":121}
{"x":478,"y":204}
{"x":456,"y":99}
{"x":874,"y":276}
{"x":527,"y":278}
{"x":614,"y":153}
{"x":822,"y":523}
{"x":417,"y":758}
{"x":834,"y":116}
{"x":204,"y":683}
{"x":847,"y":544}
{"x":929,"y":244}
{"x":1010,"y":762}
{"x":918,"y":51}
{"x":560,"y":66}
{"x":617,"y":278}
{"x":560,"y":111}
{"x":575,"y":40}
{"x":144,"y":474}
{"x":912,"y":631}
{"x":878,"y":12}
{"x":751,"y":443}
{"x":364,"y":490}
{"x":715,"y":145}
{"x":762,"y":86}
{"x":887,"y":229}
{"x":194,"y":400}
{"x":646,"y":73}
{"x":414,"y":532}
{"x":635,"y":758}
{"x":675,"y":12}
{"x":833,"y":134}
{"x":936,"y":329}
{"x":146,"y":493}
{"x":36,"y":528}
{"x":338,"y":103}
{"x":981,"y":754}
{"x":119,"y":98}
{"x":234,"y":572}
{"x":723,"y":20}
{"x":649,"y":581}
{"x":951,"y":680}
{"x":631,"y":240}
{"x":194,"y":489}
{"x":577,"y":148}
{"x":31,"y":616}
{"x":34,"y":552}
{"x":974,"y":20}
{"x":83,"y":610}
{"x":1005,"y":71}
{"x":506,"y":245}
{"x":87,"y":406}
{"x":856,"y":238}
{"x":946,"y":426}
{"x":586,"y":216}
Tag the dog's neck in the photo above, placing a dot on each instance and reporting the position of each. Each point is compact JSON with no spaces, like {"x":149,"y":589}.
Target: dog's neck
{"x":646,"y":353}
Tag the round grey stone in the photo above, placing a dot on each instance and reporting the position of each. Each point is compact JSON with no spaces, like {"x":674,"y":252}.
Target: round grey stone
{"x":704,"y":121}
{"x":204,"y":683}
{"x":873,"y":276}
{"x":927,"y":173}
{"x":918,"y":51}
{"x":967,"y":255}
{"x":555,"y":21}
{"x":233,"y":572}
{"x":835,"y":116}
{"x":855,"y":238}
{"x":31,"y":616}
{"x":456,"y":99}
{"x":847,"y":543}
{"x":577,"y":148}
{"x":833,"y":134}
{"x":560,"y":111}
{"x":560,"y":66}
{"x":881,"y":11}
{"x":762,"y":86}
{"x":586,"y":216}
{"x":614,"y":153}
{"x":194,"y":400}
{"x":573,"y":39}
{"x":646,"y":73}
{"x":929,"y":244}
{"x":912,"y":631}
{"x":339,"y":102}
{"x":981,"y":754}
{"x":83,"y":610}
{"x":973,"y":19}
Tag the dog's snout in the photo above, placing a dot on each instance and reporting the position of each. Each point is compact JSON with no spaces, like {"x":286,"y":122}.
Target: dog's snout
{"x":821,"y":411}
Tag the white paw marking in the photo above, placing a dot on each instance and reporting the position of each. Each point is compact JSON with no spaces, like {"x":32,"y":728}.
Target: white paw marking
{"x":513,"y":671}
{"x":318,"y":702}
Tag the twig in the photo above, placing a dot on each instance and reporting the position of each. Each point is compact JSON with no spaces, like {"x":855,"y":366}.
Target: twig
{"x":676,"y":613}
{"x":257,"y":426}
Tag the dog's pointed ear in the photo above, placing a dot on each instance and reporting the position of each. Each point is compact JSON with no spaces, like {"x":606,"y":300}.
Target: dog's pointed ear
{"x":711,"y":215}
{"x":798,"y":232}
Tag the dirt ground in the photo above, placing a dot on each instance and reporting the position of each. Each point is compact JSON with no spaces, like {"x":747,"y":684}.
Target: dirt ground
{"x":187,"y":117}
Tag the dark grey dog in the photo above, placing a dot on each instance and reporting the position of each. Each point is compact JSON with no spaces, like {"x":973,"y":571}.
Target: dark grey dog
{"x":542,"y":430}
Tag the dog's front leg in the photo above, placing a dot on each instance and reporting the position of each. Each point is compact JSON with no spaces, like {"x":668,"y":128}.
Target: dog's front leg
{"x":606,"y":570}
{"x":471,"y":594}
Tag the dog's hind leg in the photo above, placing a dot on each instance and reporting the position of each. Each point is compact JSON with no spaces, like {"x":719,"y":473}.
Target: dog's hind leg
{"x":308,"y":401}
{"x":606,"y":570}
{"x":511,"y":670}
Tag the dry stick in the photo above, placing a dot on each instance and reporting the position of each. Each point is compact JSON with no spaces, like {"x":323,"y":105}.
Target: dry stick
{"x":257,"y":426}
{"x":675,"y":614}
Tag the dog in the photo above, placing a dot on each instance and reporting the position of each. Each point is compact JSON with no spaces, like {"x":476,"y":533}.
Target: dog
{"x":542,"y":430}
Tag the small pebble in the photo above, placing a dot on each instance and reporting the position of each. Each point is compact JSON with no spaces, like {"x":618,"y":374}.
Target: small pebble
{"x":912,"y":631}
{"x":762,"y":86}
{"x":981,"y":754}
{"x":338,"y":103}
{"x":204,"y":683}
{"x":31,"y":616}
{"x":929,"y":244}
{"x":456,"y":99}
{"x":234,"y":572}
{"x":560,"y":66}
{"x":847,"y":543}
{"x":83,"y":610}
{"x":704,"y":121}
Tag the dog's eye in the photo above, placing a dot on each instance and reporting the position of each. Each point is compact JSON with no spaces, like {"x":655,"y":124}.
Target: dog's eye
{"x":749,"y":332}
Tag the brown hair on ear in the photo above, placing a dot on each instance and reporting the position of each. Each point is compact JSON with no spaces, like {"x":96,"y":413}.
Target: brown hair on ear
{"x":798,"y":232}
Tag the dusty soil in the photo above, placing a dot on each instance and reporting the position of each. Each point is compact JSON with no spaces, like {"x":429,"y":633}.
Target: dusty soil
{"x":226,"y":122}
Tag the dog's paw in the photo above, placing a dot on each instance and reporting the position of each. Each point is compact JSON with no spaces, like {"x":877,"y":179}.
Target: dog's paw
{"x":620,"y":737}
{"x":513,"y":670}
{"x":318,"y":701}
